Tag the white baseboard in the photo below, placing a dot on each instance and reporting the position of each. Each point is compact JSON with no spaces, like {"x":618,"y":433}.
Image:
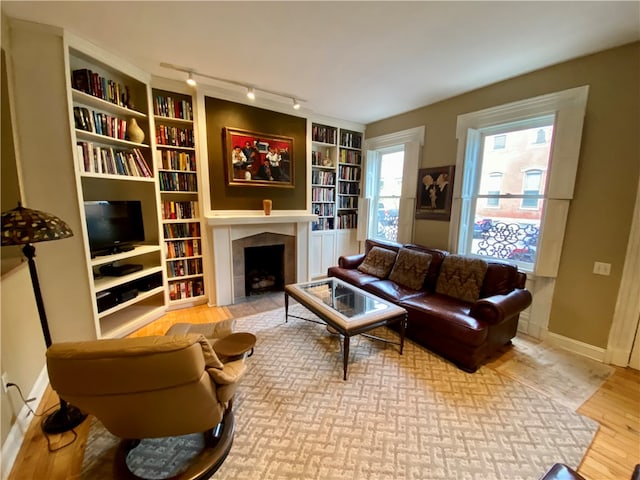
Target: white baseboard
{"x":12,"y":444}
{"x":575,"y":346}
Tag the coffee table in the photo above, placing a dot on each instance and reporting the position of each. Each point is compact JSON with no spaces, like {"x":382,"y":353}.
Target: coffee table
{"x":347,"y":309}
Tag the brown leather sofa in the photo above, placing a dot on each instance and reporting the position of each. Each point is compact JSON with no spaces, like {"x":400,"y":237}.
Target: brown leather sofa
{"x":463,"y":328}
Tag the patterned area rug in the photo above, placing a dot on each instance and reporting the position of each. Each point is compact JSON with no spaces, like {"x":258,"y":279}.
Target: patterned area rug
{"x":566,"y":377}
{"x":413,"y":416}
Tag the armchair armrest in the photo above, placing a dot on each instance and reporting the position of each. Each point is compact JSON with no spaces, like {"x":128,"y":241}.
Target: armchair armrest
{"x":497,"y":308}
{"x":350,"y":261}
{"x":230,"y":373}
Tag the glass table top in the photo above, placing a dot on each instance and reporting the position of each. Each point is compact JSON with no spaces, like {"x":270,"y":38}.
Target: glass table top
{"x":346,"y":300}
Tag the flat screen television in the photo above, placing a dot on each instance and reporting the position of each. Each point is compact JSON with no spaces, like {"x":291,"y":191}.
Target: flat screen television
{"x":113,"y":226}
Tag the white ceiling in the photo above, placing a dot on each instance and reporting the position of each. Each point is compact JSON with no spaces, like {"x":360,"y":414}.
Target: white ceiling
{"x":358,"y":61}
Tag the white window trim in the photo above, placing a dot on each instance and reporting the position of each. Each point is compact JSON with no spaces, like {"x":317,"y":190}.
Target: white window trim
{"x":569,"y":107}
{"x":413,"y":140}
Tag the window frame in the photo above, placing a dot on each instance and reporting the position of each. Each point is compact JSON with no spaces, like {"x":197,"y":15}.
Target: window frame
{"x":568,"y":107}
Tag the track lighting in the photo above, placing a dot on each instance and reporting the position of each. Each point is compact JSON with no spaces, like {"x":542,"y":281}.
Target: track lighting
{"x":251,"y":89}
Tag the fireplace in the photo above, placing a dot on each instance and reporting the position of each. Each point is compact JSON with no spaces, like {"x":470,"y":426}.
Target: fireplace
{"x":263,"y":269}
{"x":263,"y":262}
{"x":232,"y":231}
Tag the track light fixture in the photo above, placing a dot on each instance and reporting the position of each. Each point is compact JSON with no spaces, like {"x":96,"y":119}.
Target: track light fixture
{"x":251,"y":89}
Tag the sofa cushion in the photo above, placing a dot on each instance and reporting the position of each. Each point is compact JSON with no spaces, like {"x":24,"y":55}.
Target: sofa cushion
{"x":390,"y":290}
{"x":437,"y":256}
{"x":410,"y":268}
{"x":501,"y":278}
{"x":352,"y":276}
{"x":378,"y":262}
{"x":461,"y":277}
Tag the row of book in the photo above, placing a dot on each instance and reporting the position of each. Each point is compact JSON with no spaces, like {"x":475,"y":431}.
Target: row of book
{"x":350,"y":139}
{"x":174,"y":136}
{"x":319,"y":194}
{"x":183,"y":248}
{"x":178,"y":182}
{"x":349,"y":173}
{"x":351,"y":157}
{"x":186,"y":289}
{"x":347,"y":220}
{"x":351,"y":188}
{"x":98,"y":86}
{"x":172,"y":107}
{"x":179,"y":210}
{"x":100,"y":123}
{"x":100,"y":159}
{"x":181,"y":230}
{"x":321,"y":133}
{"x":319,"y":177}
{"x":324,"y":209}
{"x":175,"y":160}
{"x":348,"y":202}
{"x":181,"y":268}
{"x":323,"y":224}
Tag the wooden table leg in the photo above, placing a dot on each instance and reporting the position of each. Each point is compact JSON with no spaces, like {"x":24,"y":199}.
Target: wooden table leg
{"x":286,"y":307}
{"x":345,"y":359}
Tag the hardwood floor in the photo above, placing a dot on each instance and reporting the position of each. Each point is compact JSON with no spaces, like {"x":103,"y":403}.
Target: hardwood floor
{"x":612,"y":455}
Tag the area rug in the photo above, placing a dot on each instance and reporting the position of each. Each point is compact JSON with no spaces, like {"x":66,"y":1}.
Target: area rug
{"x":411,"y":416}
{"x":565,"y":377}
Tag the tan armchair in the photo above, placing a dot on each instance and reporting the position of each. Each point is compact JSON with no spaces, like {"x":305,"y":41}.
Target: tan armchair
{"x":152,"y":387}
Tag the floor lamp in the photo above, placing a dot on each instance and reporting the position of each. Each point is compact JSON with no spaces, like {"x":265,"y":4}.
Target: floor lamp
{"x":24,"y":226}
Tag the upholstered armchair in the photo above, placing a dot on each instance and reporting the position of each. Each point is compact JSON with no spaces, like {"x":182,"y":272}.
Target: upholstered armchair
{"x":152,"y":387}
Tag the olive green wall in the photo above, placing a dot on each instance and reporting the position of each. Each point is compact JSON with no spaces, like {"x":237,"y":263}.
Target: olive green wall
{"x":221,"y":113}
{"x":600,"y":214}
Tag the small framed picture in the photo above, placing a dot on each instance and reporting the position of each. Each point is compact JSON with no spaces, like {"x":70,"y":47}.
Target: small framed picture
{"x":435,"y":190}
{"x":258,"y":159}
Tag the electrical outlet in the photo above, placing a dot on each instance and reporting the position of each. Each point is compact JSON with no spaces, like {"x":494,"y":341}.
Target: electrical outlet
{"x":5,"y":380}
{"x":600,"y":268}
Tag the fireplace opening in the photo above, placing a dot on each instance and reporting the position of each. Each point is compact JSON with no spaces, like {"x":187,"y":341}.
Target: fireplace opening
{"x":264,"y":269}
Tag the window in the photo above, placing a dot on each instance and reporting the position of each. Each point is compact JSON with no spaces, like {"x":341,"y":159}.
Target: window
{"x":387,"y":178}
{"x":535,"y":189}
{"x":493,"y":189}
{"x":499,"y":142}
{"x":391,"y":175}
{"x":531,"y":189}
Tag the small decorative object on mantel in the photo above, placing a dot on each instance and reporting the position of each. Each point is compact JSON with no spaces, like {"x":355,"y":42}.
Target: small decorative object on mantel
{"x":266,"y":205}
{"x":134,"y":132}
{"x":435,"y":188}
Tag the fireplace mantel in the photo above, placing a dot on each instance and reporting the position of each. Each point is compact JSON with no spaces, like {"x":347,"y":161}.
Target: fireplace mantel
{"x":227,"y":226}
{"x":256,"y":217}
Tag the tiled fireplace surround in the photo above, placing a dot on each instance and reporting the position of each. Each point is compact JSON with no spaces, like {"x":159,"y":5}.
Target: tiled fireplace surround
{"x":232,"y":232}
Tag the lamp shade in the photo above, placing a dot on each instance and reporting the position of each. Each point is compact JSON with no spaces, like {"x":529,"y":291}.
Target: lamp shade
{"x":21,"y":226}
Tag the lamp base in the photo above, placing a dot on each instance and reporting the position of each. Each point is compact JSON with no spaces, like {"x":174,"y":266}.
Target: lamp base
{"x":63,"y":419}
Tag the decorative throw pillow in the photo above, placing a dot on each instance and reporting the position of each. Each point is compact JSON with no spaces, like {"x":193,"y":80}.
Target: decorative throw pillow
{"x":410,"y":268}
{"x":461,"y":277}
{"x":378,"y":262}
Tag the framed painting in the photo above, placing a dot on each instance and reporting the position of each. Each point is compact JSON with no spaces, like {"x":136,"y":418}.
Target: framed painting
{"x":435,"y":190}
{"x":257,"y":159}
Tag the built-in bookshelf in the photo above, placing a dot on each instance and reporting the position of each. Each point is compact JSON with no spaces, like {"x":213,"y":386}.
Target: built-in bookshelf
{"x":336,"y":172}
{"x":323,"y":175}
{"x":179,"y":192}
{"x":349,"y":177}
{"x":114,"y":162}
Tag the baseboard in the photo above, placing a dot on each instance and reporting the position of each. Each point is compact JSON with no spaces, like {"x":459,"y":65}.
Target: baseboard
{"x":12,"y":444}
{"x":575,"y":346}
